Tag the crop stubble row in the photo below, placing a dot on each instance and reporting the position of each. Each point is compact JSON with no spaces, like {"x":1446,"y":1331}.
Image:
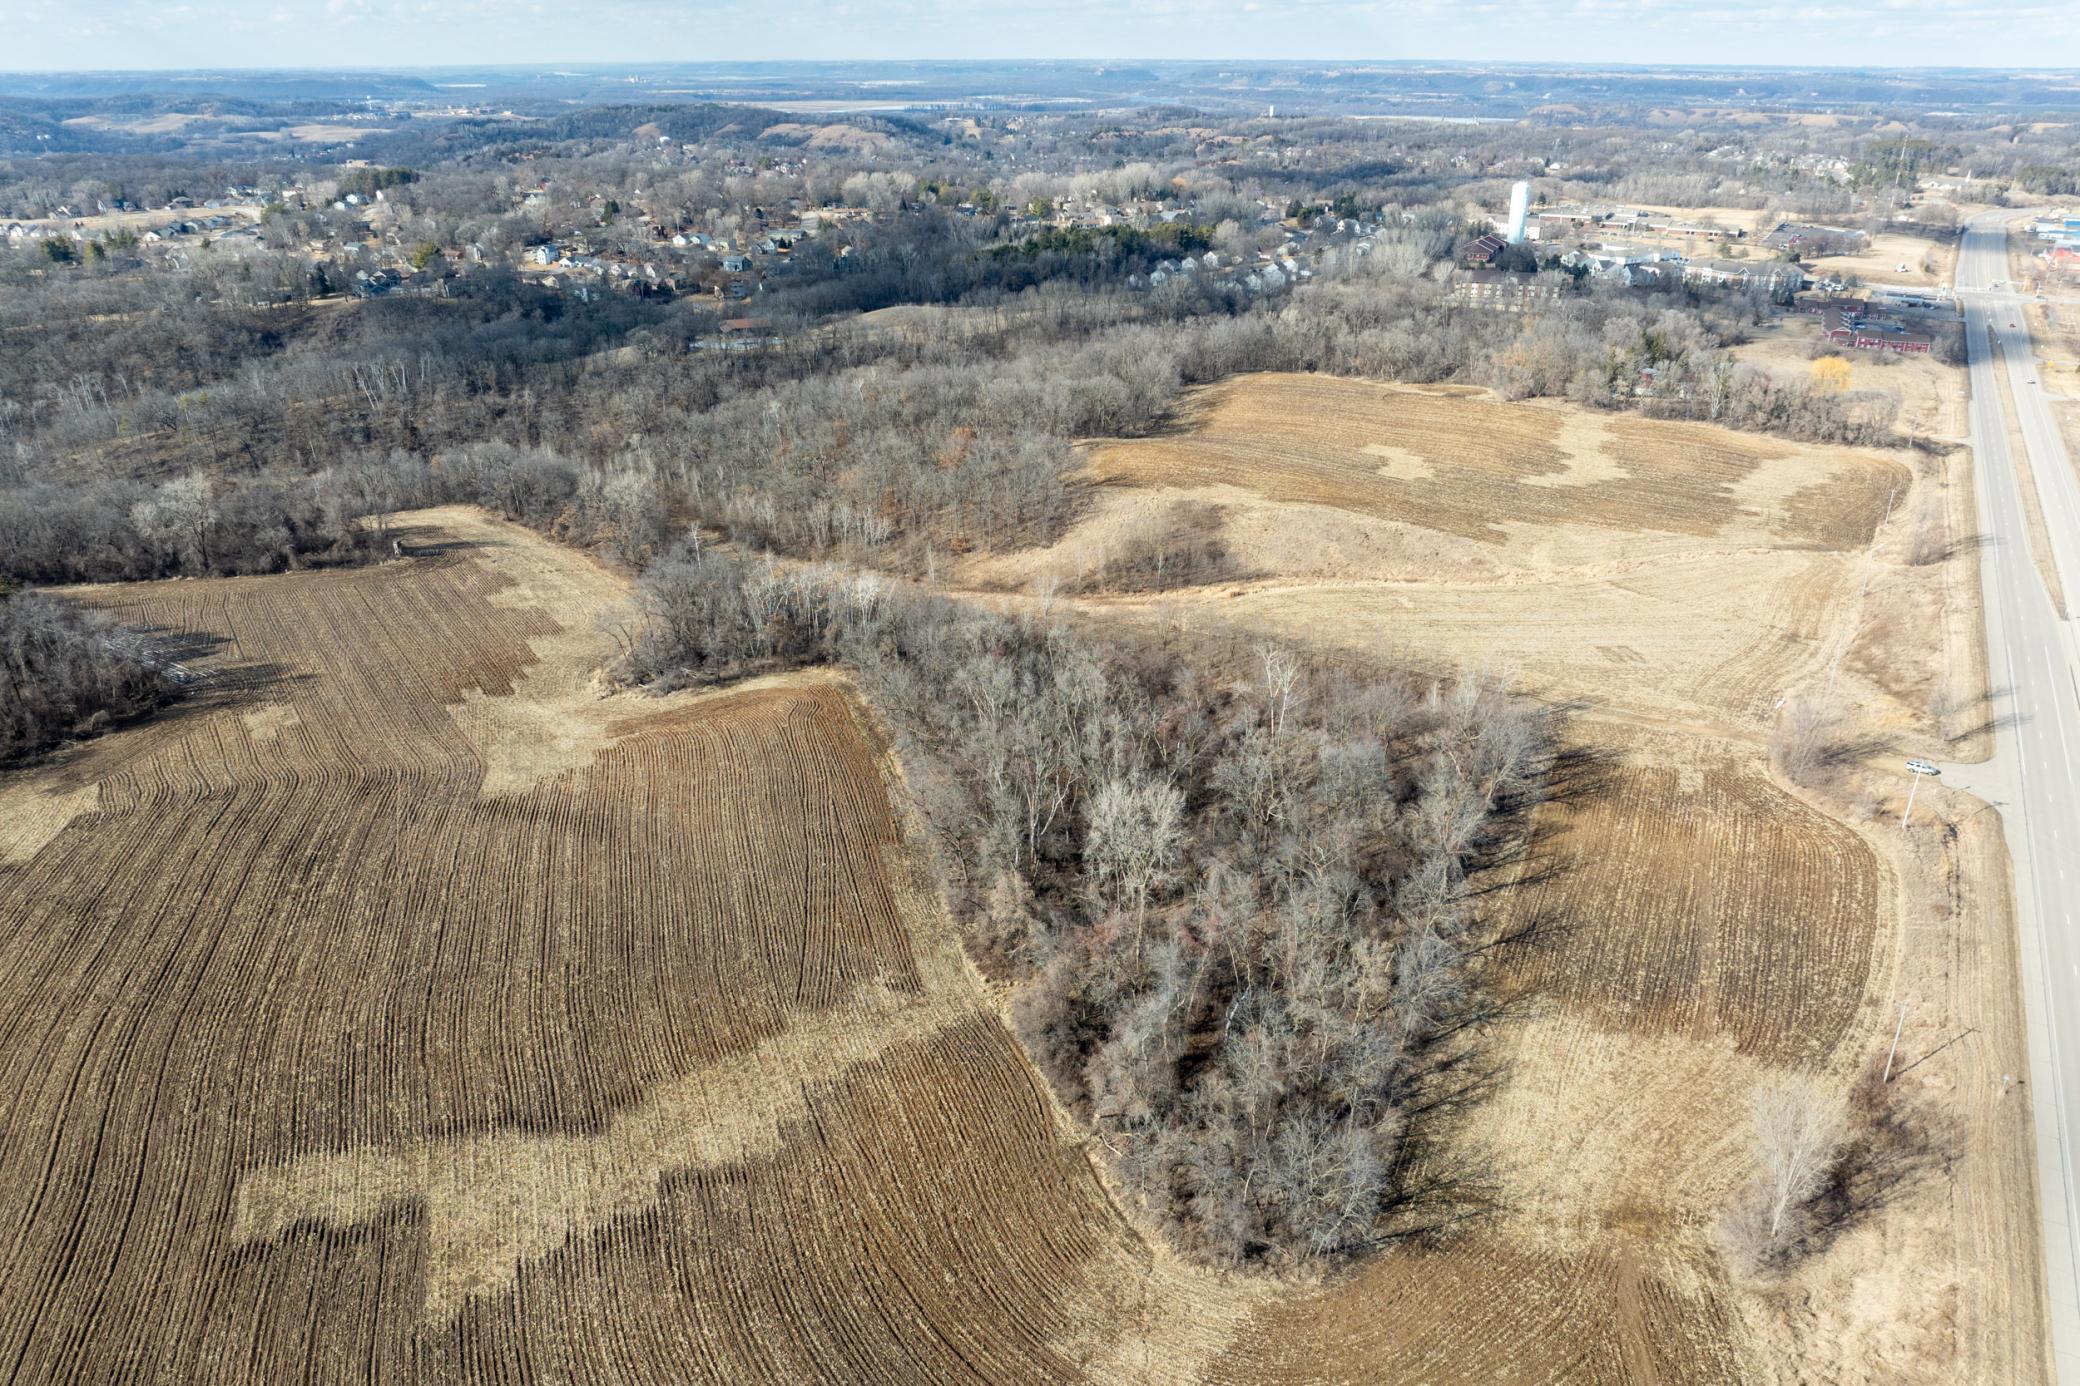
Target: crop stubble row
{"x":1702,"y":900}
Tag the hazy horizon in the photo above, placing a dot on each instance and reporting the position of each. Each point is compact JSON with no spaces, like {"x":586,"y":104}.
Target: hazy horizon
{"x":328,"y":35}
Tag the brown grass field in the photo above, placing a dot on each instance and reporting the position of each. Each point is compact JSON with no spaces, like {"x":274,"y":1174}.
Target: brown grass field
{"x":1931,"y":405}
{"x":1927,"y":262}
{"x":1481,"y":469}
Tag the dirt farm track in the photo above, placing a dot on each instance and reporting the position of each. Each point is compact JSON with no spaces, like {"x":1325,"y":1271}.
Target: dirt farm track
{"x":403,"y":1008}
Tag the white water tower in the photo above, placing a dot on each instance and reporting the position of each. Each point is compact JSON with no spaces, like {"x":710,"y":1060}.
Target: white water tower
{"x":1519,"y":211}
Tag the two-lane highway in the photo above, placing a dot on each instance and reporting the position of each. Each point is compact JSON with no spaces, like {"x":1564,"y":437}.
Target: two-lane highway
{"x":2035,"y":776}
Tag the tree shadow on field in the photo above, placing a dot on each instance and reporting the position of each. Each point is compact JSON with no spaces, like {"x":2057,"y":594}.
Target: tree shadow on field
{"x":1442,"y":1184}
{"x":1985,"y":715}
{"x":1580,"y":772}
{"x":1439,"y":1192}
{"x":187,"y":657}
{"x":1185,"y":416}
{"x":1842,"y":752}
{"x":1896,"y":1141}
{"x":1933,"y":552}
{"x":428,"y":541}
{"x":1527,"y":850}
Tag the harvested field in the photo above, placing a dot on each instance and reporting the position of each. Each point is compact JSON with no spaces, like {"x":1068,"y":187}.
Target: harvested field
{"x":403,"y":1009}
{"x":1673,"y":571}
{"x":1535,"y":1316}
{"x":339,"y":1048}
{"x":1695,"y":898}
{"x":1706,"y":641}
{"x":1616,"y":1132}
{"x":1472,"y":466}
{"x":1711,"y":927}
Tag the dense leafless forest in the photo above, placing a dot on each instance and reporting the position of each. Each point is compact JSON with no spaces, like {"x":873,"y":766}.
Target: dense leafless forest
{"x":1234,"y":894}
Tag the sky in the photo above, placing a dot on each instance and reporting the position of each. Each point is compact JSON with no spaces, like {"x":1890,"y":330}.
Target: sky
{"x":396,"y":34}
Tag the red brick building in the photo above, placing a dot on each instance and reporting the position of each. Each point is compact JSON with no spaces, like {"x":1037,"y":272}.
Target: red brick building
{"x":1843,"y":323}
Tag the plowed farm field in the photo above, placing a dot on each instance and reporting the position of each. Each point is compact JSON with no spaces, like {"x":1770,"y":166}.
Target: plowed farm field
{"x":403,"y":1008}
{"x":1695,"y":898}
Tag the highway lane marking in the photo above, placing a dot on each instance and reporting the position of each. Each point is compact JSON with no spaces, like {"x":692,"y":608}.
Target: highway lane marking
{"x":1988,"y":426}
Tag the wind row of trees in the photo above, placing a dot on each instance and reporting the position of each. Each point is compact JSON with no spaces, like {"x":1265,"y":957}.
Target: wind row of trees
{"x":191,"y":526}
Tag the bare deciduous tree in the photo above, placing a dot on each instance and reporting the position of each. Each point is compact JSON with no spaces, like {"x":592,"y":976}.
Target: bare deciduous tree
{"x":1800,"y":1128}
{"x":1136,"y":830}
{"x":1799,"y":741}
{"x":68,"y":671}
{"x":1236,"y":915}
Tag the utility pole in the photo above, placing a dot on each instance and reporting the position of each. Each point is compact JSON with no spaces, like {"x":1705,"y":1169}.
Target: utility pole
{"x":1895,"y":1039}
{"x":1920,"y":770}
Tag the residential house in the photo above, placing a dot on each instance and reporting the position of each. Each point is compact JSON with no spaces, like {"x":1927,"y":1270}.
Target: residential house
{"x":1649,"y":273}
